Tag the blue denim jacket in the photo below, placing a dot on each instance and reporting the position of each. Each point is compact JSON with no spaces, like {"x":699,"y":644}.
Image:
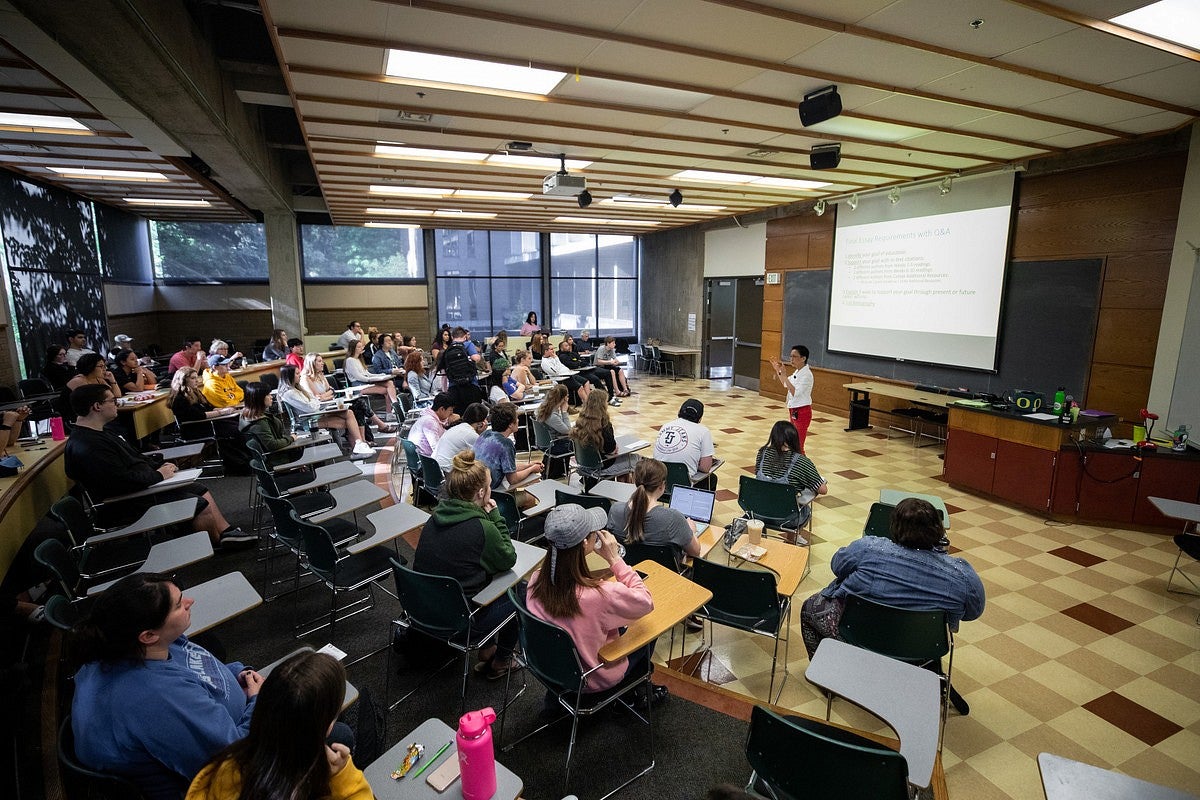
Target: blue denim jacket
{"x":878,"y":569}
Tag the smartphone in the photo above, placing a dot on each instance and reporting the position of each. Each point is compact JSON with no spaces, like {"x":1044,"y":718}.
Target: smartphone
{"x":445,"y":775}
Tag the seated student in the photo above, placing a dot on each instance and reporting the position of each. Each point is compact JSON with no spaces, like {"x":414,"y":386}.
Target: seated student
{"x":522,"y":375}
{"x":537,"y":345}
{"x":643,"y":519}
{"x":530,"y":325}
{"x":461,"y":436}
{"x":257,"y":419}
{"x":497,"y":352}
{"x":906,"y":570}
{"x":353,"y":332}
{"x":440,"y":342}
{"x":553,"y":413}
{"x":583,"y":345}
{"x":149,"y":704}
{"x":389,"y":361}
{"x":495,"y":449}
{"x":11,"y":422}
{"x":189,"y":355}
{"x":131,"y":376}
{"x":431,"y":425}
{"x":295,"y":356}
{"x":358,"y":375}
{"x":606,"y":358}
{"x":276,"y":349}
{"x":286,"y":754}
{"x":220,"y":389}
{"x":577,"y":387}
{"x":55,"y":369}
{"x":467,"y":539}
{"x":686,"y":440}
{"x":220,"y":349}
{"x":370,"y":343}
{"x":76,"y":346}
{"x":593,"y":428}
{"x":297,"y":398}
{"x":312,"y":379}
{"x":600,"y":378}
{"x":780,"y":461}
{"x":190,"y":404}
{"x":419,"y":383}
{"x":107,"y":466}
{"x":591,"y":610}
{"x":92,"y":370}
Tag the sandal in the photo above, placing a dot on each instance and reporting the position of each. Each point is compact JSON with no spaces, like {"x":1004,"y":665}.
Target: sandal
{"x":494,"y":671}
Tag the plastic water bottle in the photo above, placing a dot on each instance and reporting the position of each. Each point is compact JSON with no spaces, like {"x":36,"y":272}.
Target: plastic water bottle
{"x":56,"y":429}
{"x":476,"y":758}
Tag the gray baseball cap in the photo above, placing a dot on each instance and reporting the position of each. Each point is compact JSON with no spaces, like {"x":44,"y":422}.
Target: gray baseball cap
{"x":568,"y":525}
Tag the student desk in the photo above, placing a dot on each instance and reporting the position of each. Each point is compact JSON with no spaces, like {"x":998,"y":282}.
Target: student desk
{"x":148,"y":416}
{"x":788,"y":561}
{"x":432,"y":733}
{"x":27,"y":496}
{"x":220,"y":599}
{"x":674,"y":598}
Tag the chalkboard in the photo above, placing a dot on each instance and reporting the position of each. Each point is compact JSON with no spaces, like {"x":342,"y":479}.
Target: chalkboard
{"x":1047,"y":329}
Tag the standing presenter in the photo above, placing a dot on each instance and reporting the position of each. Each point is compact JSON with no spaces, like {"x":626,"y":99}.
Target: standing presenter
{"x":799,"y":386}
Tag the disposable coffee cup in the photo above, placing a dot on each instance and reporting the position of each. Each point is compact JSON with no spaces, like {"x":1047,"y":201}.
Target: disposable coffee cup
{"x":754,"y":528}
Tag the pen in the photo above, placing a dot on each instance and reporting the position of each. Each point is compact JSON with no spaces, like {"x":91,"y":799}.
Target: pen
{"x":436,"y":756}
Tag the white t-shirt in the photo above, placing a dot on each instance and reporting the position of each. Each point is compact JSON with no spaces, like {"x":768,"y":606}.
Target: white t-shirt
{"x":461,"y":437}
{"x":347,"y":337}
{"x":685,"y":442}
{"x":800,"y":394}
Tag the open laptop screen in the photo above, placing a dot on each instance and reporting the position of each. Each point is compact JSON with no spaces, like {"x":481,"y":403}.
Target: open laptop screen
{"x":696,"y":504}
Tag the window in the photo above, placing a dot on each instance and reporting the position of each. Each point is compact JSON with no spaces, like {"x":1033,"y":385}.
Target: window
{"x":593,"y":283}
{"x":488,"y":280}
{"x":347,"y":253}
{"x":209,"y":252}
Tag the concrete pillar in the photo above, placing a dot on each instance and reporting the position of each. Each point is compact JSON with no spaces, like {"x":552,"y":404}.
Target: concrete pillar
{"x":283,"y":270}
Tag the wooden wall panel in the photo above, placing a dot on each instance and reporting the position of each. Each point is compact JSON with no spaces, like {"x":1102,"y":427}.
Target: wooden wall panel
{"x":1119,"y":389}
{"x":787,"y":252}
{"x":820,"y":250}
{"x":1095,"y":227}
{"x":1136,"y":280}
{"x":806,"y":222}
{"x":772,"y":344}
{"x":409,"y":321}
{"x":772,"y":316}
{"x":1103,"y":181}
{"x":1126,"y":336}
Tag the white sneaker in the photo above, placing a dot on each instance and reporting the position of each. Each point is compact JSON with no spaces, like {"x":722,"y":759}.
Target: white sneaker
{"x":361,"y":448}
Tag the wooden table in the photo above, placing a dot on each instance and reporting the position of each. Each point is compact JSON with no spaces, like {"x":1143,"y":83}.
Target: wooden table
{"x":27,"y":496}
{"x":390,"y":523}
{"x":1064,"y":779}
{"x":529,"y":558}
{"x":906,"y":697}
{"x":860,"y":400}
{"x":432,"y":733}
{"x":220,"y":599}
{"x":148,"y":416}
{"x":788,"y":561}
{"x":693,"y":354}
{"x":674,"y":598}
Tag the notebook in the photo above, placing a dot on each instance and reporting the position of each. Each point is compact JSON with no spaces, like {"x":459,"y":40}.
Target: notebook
{"x":695,"y":504}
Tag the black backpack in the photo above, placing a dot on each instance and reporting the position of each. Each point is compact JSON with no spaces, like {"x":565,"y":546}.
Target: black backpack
{"x":457,"y":365}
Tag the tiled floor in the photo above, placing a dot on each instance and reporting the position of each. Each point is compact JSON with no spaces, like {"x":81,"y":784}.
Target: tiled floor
{"x":1081,"y":651}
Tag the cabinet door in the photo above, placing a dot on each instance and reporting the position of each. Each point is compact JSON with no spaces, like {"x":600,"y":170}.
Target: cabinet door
{"x":1108,"y":488}
{"x":970,"y":459}
{"x":1166,"y":476}
{"x":1024,"y":474}
{"x":1066,"y":481}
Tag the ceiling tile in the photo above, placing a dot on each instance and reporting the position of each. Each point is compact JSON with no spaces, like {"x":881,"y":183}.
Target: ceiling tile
{"x":881,"y":62}
{"x":1005,"y":27}
{"x":720,"y":29}
{"x":1089,"y":55}
{"x":1088,"y":107}
{"x":918,"y":110}
{"x":1179,"y":84}
{"x":996,"y":87}
{"x":632,"y":94}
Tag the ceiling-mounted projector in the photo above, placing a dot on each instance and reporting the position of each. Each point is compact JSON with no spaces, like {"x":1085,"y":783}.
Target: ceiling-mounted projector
{"x":560,"y":184}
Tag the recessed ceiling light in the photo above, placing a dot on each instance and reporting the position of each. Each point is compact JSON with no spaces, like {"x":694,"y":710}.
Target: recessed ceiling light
{"x":405,"y":225}
{"x":427,"y":154}
{"x":705,"y":176}
{"x":644,"y":222}
{"x":636,"y":198}
{"x":454,"y":212}
{"x":471,"y":72}
{"x":42,"y":123}
{"x":412,"y":191}
{"x":698,"y":208}
{"x":605,"y":221}
{"x":535,"y":162}
{"x":117,"y":175}
{"x":489,"y":194}
{"x":401,"y":212}
{"x":790,"y":183}
{"x":1173,"y":20}
{"x":166,"y":201}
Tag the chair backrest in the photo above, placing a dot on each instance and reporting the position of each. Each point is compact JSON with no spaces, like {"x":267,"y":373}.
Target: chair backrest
{"x":255,"y":446}
{"x":83,"y":781}
{"x":70,"y":512}
{"x":900,"y":633}
{"x":766,"y":500}
{"x":665,"y":554}
{"x":585,"y":500}
{"x":431,"y":472}
{"x":800,"y":757}
{"x":406,"y":401}
{"x":879,"y":520}
{"x":507,"y":504}
{"x":677,"y":475}
{"x":745,"y":598}
{"x":61,"y":612}
{"x":271,"y":379}
{"x":543,"y":435}
{"x":281,"y":514}
{"x":434,"y":603}
{"x":319,"y":549}
{"x":549,"y":651}
{"x":33,"y":386}
{"x":588,"y":458}
{"x":412,"y":456}
{"x":54,"y":556}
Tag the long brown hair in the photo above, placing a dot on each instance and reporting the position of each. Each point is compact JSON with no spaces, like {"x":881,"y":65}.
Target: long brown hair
{"x":413,"y":362}
{"x":552,"y":402}
{"x":179,"y":386}
{"x":649,"y":474}
{"x":593,"y":419}
{"x":559,"y":593}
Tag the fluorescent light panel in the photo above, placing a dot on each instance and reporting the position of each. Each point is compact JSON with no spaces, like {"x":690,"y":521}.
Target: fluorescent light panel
{"x":119,"y":175}
{"x":167,"y":201}
{"x":535,"y":162}
{"x":487,"y":193}
{"x":471,"y":72}
{"x":401,"y":212}
{"x":739,"y":179}
{"x":41,"y":123}
{"x":431,"y":191}
{"x":635,"y":201}
{"x":454,"y":212}
{"x":1173,"y":20}
{"x":407,"y":225}
{"x":604,"y":221}
{"x":427,"y":154}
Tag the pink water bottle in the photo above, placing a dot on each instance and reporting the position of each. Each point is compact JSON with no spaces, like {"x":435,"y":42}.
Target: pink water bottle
{"x":476,"y":759}
{"x":56,"y":429}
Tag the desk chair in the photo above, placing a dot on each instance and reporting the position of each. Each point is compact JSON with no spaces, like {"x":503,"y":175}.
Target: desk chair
{"x":80,"y":780}
{"x":431,"y":475}
{"x":507,"y":505}
{"x":1188,"y":543}
{"x":917,"y":637}
{"x":775,"y":504}
{"x":585,"y":500}
{"x":588,"y":465}
{"x":287,"y":534}
{"x":86,"y":537}
{"x":549,"y":653}
{"x":436,"y":606}
{"x":664,"y":554}
{"x":677,"y":475}
{"x":412,"y":459}
{"x":746,"y":600}
{"x":794,"y":757}
{"x":879,"y":521}
{"x":557,"y":466}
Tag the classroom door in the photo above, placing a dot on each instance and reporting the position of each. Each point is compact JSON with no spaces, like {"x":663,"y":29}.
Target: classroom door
{"x":722,"y":307}
{"x":747,"y":333}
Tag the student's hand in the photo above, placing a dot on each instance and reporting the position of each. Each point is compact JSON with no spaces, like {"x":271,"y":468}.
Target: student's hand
{"x":488,"y":505}
{"x":338,"y":756}
{"x":609,"y":550}
{"x":251,"y":682}
{"x":538,"y":467}
{"x":167,"y":470}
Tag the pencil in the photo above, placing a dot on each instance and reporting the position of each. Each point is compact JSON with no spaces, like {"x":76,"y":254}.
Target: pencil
{"x":436,"y":756}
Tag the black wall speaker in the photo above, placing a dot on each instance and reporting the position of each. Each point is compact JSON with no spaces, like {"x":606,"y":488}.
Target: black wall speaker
{"x":825,"y":156}
{"x":820,"y":105}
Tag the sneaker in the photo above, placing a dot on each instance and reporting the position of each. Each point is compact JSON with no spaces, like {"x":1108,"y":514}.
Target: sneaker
{"x":362,"y":449}
{"x":650,"y":695}
{"x":614,"y":402}
{"x":236,"y":537}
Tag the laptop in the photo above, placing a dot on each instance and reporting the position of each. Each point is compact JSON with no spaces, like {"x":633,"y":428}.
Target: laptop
{"x":695,"y":504}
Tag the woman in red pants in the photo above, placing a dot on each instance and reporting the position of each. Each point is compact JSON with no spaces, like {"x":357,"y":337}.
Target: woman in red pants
{"x":799,"y":386}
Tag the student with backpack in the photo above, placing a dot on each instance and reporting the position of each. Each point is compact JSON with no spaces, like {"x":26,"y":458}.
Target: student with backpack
{"x":458,"y":363}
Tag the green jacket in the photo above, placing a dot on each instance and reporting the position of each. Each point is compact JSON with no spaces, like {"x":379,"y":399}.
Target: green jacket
{"x":464,"y":543}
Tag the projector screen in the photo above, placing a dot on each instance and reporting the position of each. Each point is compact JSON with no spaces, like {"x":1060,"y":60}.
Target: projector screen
{"x":922,"y":279}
